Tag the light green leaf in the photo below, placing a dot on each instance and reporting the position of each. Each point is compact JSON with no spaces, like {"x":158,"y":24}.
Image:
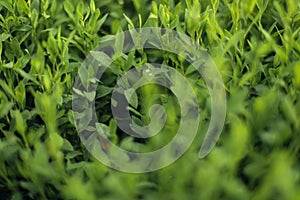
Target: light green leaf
{"x":131,"y":97}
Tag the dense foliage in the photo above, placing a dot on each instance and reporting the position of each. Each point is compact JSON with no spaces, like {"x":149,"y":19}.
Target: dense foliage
{"x":254,"y":43}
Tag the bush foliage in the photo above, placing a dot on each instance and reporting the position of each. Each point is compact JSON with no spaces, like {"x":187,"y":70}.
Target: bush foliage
{"x":254,"y":43}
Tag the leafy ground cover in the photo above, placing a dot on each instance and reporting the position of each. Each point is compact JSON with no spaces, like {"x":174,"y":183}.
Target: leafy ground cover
{"x":254,"y":43}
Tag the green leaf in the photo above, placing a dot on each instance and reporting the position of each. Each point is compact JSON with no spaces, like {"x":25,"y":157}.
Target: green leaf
{"x":38,"y":60}
{"x":92,"y":6}
{"x":52,"y":48}
{"x":130,"y":23}
{"x":20,"y":94}
{"x":103,"y":91}
{"x":90,"y":95}
{"x":152,"y":21}
{"x":20,"y":122}
{"x":8,"y":65}
{"x":296,"y":79}
{"x":119,"y":43}
{"x":23,"y":7}
{"x":102,"y":58}
{"x":100,"y":22}
{"x":238,"y":36}
{"x":85,"y":120}
{"x":131,"y":97}
{"x":27,"y":76}
{"x":69,"y":8}
{"x":21,"y":63}
{"x":7,"y":88}
{"x":34,"y":18}
{"x":164,"y":15}
{"x":249,"y":6}
{"x":289,"y":111}
{"x":5,"y":105}
{"x":84,"y":77}
{"x":7,"y":5}
{"x":4,"y":37}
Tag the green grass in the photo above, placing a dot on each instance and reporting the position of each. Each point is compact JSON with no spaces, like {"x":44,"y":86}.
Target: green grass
{"x":254,"y":43}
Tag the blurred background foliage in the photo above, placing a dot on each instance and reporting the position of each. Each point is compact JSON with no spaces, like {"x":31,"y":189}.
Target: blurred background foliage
{"x":254,"y":43}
